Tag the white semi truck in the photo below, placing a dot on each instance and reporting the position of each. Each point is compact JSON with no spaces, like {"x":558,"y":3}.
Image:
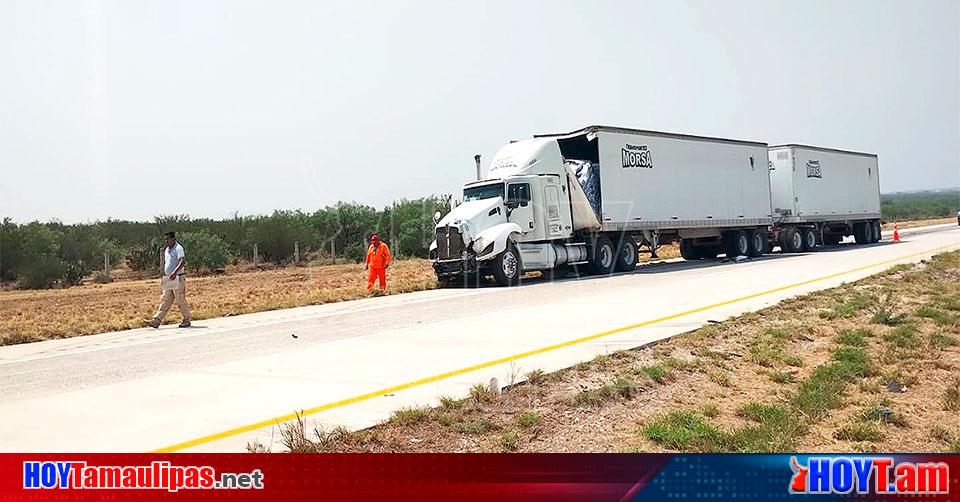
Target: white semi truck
{"x":821,"y":195}
{"x":585,"y":199}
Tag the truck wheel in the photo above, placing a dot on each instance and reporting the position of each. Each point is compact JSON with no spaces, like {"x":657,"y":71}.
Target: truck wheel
{"x":626,"y":255}
{"x":860,"y":233}
{"x":792,"y":240}
{"x":758,"y":243}
{"x":737,"y":243}
{"x":877,"y":235}
{"x":688,"y":251}
{"x":506,"y":266}
{"x":604,"y":257}
{"x":809,"y":239}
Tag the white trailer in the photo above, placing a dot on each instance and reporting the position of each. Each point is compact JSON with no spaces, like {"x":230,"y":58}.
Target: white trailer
{"x":585,"y":199}
{"x":820,"y":195}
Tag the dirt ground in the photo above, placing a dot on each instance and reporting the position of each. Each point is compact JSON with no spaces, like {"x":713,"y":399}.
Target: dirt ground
{"x":33,"y":315}
{"x":869,"y":366}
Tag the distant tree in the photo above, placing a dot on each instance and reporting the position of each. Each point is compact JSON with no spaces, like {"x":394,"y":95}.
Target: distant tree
{"x":919,"y":205}
{"x":41,"y":266}
{"x":10,"y":250}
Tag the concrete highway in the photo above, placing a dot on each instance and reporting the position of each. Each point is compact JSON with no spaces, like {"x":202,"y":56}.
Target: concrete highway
{"x":228,"y":381}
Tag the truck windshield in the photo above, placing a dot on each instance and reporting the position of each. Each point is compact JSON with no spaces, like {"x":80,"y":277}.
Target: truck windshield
{"x":483,"y":192}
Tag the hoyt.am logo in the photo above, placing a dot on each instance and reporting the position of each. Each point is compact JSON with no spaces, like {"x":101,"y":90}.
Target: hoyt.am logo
{"x":877,"y":475}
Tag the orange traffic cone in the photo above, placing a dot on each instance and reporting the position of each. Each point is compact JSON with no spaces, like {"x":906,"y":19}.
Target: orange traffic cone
{"x":896,"y":234}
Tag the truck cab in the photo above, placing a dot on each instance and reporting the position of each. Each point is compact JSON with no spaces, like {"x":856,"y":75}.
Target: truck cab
{"x":522,"y":208}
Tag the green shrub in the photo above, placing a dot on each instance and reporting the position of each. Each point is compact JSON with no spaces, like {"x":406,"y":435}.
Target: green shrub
{"x":83,"y":250}
{"x":73,"y":273}
{"x":204,"y":252}
{"x":144,"y":256}
{"x":276,"y":235}
{"x":41,"y":267}
{"x":10,"y":250}
{"x":527,"y":419}
{"x":684,"y":430}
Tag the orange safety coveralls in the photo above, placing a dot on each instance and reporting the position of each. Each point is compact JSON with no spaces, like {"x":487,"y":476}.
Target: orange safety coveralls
{"x":378,"y":259}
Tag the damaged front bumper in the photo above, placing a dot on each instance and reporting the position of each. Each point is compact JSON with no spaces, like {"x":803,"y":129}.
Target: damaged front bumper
{"x":454,"y":268}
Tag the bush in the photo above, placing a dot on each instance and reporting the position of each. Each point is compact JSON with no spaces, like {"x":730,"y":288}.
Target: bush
{"x":144,"y":256}
{"x":204,"y":252}
{"x":43,"y":268}
{"x":355,"y":252}
{"x":275,"y":235}
{"x":10,"y":250}
{"x":82,"y":250}
{"x":73,"y":273}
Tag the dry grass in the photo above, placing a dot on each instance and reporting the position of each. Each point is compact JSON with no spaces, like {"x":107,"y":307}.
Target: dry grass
{"x":918,"y":223}
{"x":27,"y":316}
{"x":853,"y":384}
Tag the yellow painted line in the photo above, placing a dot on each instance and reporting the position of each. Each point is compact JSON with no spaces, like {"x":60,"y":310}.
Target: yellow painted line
{"x":443,"y":376}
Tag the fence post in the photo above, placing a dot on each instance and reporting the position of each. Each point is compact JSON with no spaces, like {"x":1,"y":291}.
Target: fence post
{"x":296,"y":251}
{"x":255,"y":256}
{"x":106,"y":264}
{"x":333,"y":250}
{"x":393,"y":209}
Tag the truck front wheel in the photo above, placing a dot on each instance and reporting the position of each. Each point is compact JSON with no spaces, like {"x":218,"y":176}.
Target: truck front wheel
{"x":626,"y":255}
{"x":603,"y":259}
{"x":507,"y":267}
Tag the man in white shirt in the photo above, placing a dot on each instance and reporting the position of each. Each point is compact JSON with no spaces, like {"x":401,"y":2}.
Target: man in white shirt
{"x":173,"y":282}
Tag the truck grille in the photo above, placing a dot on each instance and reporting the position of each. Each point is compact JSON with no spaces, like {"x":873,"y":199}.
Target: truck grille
{"x":449,"y":243}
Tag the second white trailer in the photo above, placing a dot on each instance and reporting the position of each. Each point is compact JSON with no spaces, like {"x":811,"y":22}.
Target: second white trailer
{"x":820,"y":195}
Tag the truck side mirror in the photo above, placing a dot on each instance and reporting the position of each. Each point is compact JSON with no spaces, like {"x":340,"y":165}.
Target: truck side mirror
{"x":436,"y":217}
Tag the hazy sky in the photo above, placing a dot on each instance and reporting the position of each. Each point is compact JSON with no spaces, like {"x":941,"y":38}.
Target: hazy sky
{"x":130,"y":109}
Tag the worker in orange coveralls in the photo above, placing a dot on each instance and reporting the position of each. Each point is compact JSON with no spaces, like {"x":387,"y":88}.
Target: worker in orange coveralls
{"x":378,"y":259}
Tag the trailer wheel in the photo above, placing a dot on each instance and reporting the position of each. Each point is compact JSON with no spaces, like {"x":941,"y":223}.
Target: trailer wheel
{"x":809,"y":239}
{"x":626,"y":255}
{"x":860,"y":233}
{"x":688,"y":251}
{"x":507,"y":267}
{"x":737,"y":243}
{"x":758,"y":243}
{"x":604,"y":257}
{"x":792,"y":240}
{"x":877,"y":234}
